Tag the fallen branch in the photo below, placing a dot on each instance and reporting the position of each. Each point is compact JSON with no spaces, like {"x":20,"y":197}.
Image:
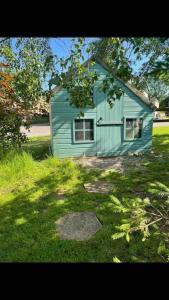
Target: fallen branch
{"x":146,"y":226}
{"x":164,"y":217}
{"x":151,"y":213}
{"x":153,"y":222}
{"x":157,"y":210}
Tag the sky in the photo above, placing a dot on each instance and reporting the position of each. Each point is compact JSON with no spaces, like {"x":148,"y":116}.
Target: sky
{"x":62,"y":46}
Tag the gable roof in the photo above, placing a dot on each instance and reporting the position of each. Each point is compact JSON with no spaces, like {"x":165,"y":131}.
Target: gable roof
{"x":139,"y":94}
{"x":128,"y":85}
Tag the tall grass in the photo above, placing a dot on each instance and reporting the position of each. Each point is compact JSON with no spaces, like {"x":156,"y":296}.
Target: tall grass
{"x":64,"y":172}
{"x":20,"y":167}
{"x":14,"y":166}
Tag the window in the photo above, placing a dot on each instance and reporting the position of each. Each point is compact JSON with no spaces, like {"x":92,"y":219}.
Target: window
{"x":84,"y":130}
{"x":133,"y":128}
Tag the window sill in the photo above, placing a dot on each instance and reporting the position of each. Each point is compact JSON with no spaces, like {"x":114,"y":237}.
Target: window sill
{"x":132,"y":140}
{"x":83,"y":142}
{"x":109,"y":123}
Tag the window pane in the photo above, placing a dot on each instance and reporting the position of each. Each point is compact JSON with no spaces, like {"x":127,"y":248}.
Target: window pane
{"x":137,"y":133}
{"x":136,"y":123}
{"x":138,"y":128}
{"x":88,"y":124}
{"x":129,"y":133}
{"x":78,"y":124}
{"x":129,"y":123}
{"x":79,"y":135}
{"x":89,"y":135}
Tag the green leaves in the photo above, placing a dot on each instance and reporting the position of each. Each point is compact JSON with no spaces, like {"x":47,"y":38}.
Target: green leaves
{"x":30,"y":60}
{"x":144,"y":220}
{"x":162,"y":248}
{"x":122,"y":54}
{"x":117,"y":205}
{"x":136,"y":50}
{"x":118,"y":235}
{"x":127,"y":237}
{"x":77,"y":77}
{"x":160,"y":70}
{"x":125,"y":226}
{"x":116,"y":260}
{"x":56,"y":79}
{"x":112,"y":90}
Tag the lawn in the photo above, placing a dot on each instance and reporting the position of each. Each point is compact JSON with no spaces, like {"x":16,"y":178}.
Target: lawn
{"x":29,"y":205}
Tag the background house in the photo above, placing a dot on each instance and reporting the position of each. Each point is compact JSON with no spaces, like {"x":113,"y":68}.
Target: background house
{"x":162,"y":112}
{"x":103,"y":131}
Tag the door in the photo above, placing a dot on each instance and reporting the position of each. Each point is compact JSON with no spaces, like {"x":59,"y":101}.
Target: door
{"x":109,"y":125}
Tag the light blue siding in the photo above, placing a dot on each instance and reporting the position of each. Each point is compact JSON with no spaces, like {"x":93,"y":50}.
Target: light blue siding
{"x":62,"y":117}
{"x":109,"y":139}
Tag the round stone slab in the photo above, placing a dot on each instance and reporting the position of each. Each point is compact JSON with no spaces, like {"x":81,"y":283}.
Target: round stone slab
{"x":78,"y":226}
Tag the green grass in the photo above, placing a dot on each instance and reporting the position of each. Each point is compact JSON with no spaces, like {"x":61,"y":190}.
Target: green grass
{"x":161,"y":140}
{"x":28,"y":182}
{"x":38,"y":147}
{"x":161,"y":131}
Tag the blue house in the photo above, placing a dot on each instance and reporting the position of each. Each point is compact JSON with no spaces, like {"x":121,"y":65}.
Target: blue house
{"x":103,"y":131}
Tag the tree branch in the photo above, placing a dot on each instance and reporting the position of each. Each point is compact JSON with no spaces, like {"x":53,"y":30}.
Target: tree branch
{"x":1,"y":41}
{"x":153,"y":222}
{"x":145,"y":226}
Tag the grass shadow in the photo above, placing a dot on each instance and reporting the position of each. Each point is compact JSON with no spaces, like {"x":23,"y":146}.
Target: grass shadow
{"x":28,"y":214}
{"x":38,"y":147}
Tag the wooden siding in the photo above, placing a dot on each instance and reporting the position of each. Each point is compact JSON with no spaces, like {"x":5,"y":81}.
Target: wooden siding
{"x":62,"y":116}
{"x":109,"y":139}
{"x":108,"y":136}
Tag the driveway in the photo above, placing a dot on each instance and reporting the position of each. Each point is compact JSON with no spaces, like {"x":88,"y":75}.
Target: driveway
{"x":159,"y":124}
{"x":44,"y":129}
{"x":37,"y":130}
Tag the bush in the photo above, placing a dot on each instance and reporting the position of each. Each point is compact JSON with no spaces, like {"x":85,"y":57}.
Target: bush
{"x":10,"y":135}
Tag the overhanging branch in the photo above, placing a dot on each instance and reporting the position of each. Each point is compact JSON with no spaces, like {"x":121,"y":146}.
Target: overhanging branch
{"x":5,"y":39}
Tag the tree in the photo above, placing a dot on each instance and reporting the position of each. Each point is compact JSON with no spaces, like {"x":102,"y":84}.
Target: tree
{"x":154,"y":88}
{"x":28,"y":61}
{"x":10,"y":114}
{"x":121,"y":54}
{"x":79,"y":77}
{"x":75,"y":76}
{"x":31,"y":63}
{"x":160,"y":69}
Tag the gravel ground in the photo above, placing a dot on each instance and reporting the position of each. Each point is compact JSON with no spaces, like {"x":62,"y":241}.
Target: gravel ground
{"x":44,"y":129}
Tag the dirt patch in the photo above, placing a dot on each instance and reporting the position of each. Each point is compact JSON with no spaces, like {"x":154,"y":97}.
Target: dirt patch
{"x":78,"y":226}
{"x":119,"y":164}
{"x":45,"y":210}
{"x":100,"y":187}
{"x":59,"y":195}
{"x":54,"y":195}
{"x":143,"y":194}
